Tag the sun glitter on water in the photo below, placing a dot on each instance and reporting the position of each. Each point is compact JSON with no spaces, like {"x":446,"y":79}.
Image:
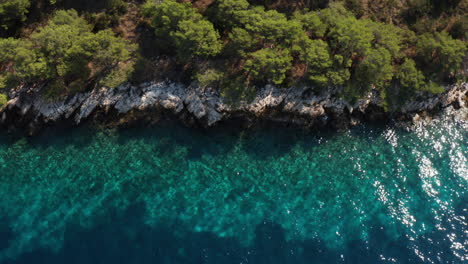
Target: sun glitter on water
{"x":398,"y":193}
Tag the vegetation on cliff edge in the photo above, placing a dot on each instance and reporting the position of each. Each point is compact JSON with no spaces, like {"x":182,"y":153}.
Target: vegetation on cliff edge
{"x":401,"y":49}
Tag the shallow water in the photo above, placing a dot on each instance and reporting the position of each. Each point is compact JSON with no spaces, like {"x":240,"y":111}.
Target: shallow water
{"x":169,"y":194}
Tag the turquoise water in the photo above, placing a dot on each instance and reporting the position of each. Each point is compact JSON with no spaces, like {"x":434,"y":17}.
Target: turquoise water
{"x":169,"y":194}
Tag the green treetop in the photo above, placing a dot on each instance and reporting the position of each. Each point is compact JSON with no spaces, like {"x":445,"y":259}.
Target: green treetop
{"x":268,"y":65}
{"x":13,"y":11}
{"x":187,"y":30}
{"x":375,"y":69}
{"x":196,"y":38}
{"x":409,"y":77}
{"x":441,"y":54}
{"x":64,"y":52}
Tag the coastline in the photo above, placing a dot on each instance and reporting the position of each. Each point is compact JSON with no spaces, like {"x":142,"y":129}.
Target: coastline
{"x":200,"y":107}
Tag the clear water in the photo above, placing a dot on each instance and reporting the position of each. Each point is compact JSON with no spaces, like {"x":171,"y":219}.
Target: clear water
{"x":169,"y":194}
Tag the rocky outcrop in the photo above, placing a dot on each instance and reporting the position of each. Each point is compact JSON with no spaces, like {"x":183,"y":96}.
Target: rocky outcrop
{"x":206,"y":107}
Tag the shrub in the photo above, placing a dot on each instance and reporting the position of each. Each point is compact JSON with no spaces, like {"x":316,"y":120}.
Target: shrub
{"x":311,"y":23}
{"x":409,"y":77}
{"x":196,"y":38}
{"x":3,"y":99}
{"x":210,"y":77}
{"x":441,"y":54}
{"x":315,"y":55}
{"x":179,"y":25}
{"x":268,"y":65}
{"x":433,"y":87}
{"x":375,"y":69}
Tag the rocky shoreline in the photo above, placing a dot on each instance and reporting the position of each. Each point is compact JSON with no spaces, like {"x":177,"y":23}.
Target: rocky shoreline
{"x":196,"y":106}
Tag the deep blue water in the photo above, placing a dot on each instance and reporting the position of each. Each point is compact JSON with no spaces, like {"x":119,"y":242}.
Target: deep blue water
{"x":168,"y":194}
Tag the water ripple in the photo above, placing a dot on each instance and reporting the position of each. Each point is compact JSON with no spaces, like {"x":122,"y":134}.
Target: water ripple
{"x":400,"y":195}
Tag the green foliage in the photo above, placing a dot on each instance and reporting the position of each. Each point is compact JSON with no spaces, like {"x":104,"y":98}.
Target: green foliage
{"x":339,"y":73}
{"x":409,"y":77}
{"x":387,"y":36}
{"x":3,"y":100}
{"x":7,"y":49}
{"x":394,"y":42}
{"x":268,"y":65}
{"x":12,"y":12}
{"x":364,"y":47}
{"x":268,"y":27}
{"x":196,"y":38}
{"x":235,"y":90}
{"x":386,"y":99}
{"x":375,"y":69}
{"x":433,"y":88}
{"x":271,"y":25}
{"x":27,"y":64}
{"x":119,"y":5}
{"x":210,"y":77}
{"x":60,"y":46}
{"x":331,"y":46}
{"x":167,"y":15}
{"x":311,"y":23}
{"x":54,"y":89}
{"x":67,"y":53}
{"x":241,"y":42}
{"x":460,"y":28}
{"x":408,"y":81}
{"x":333,"y":14}
{"x":351,"y":37}
{"x":106,"y":49}
{"x":184,"y":28}
{"x":110,"y":6}
{"x":118,"y":75}
{"x":229,"y":13}
{"x":315,"y":55}
{"x":440,"y":53}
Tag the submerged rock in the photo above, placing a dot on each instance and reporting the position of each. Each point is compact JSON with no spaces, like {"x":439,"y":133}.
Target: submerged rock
{"x":207,"y":107}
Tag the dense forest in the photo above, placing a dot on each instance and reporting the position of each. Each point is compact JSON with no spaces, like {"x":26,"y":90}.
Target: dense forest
{"x":401,"y":48}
